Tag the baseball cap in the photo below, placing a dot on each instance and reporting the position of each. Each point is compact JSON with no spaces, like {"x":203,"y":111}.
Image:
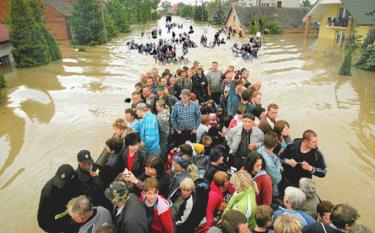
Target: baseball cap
{"x":117,"y":191}
{"x":63,"y":175}
{"x":141,"y":106}
{"x":185,"y":92}
{"x":84,"y":156}
{"x":183,"y":162}
{"x":160,"y":87}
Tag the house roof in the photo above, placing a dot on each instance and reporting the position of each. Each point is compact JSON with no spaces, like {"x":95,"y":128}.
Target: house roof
{"x":287,"y":17}
{"x":61,"y":6}
{"x":359,"y":9}
{"x":4,"y":33}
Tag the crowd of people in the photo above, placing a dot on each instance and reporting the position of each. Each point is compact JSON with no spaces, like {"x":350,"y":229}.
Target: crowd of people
{"x":196,"y":151}
{"x":247,"y":50}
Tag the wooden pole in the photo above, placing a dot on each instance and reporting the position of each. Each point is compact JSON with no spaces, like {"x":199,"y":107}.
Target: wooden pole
{"x":307,"y":26}
{"x":348,"y":31}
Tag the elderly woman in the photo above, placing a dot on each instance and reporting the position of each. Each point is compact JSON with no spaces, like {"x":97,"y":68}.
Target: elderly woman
{"x":282,"y":131}
{"x":294,"y":199}
{"x":244,"y":198}
{"x":186,"y":207}
{"x":312,"y":200}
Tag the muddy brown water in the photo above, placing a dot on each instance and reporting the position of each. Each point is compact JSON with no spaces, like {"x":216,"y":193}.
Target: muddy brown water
{"x":52,"y":112}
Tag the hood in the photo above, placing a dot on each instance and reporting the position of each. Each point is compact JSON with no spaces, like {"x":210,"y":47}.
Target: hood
{"x":261,"y":173}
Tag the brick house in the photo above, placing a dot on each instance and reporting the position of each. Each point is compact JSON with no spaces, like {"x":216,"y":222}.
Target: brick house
{"x":57,"y":14}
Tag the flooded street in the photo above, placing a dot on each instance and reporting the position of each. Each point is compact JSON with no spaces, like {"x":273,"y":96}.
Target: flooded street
{"x":52,"y":112}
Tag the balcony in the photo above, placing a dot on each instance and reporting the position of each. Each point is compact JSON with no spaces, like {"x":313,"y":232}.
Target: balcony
{"x":337,"y":22}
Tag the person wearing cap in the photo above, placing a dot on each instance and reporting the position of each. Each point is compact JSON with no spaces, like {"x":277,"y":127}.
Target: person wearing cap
{"x":129,"y":214}
{"x":56,"y":193}
{"x":185,"y":119}
{"x":89,"y":179}
{"x":179,"y":172}
{"x":200,"y":84}
{"x":162,"y":94}
{"x":242,"y":139}
{"x":148,"y":130}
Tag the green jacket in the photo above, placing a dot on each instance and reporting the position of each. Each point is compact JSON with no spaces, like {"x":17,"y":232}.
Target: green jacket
{"x":241,"y":202}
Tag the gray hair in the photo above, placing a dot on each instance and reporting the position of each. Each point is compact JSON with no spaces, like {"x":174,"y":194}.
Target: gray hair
{"x":79,"y":206}
{"x":308,"y":187}
{"x":296,"y":197}
{"x":187,"y":183}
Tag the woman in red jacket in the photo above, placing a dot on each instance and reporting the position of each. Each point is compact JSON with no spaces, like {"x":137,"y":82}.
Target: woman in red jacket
{"x":159,"y":215}
{"x":216,"y":204}
{"x":255,"y":165}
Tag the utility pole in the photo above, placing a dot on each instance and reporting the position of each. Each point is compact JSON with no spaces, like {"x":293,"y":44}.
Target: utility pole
{"x":101,"y":2}
{"x":258,"y":23}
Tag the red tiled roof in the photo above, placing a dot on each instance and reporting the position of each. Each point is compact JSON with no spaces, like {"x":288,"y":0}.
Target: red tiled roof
{"x":4,"y":34}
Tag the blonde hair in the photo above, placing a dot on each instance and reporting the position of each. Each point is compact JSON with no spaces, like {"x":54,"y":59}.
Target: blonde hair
{"x":287,"y":224}
{"x":120,"y":123}
{"x":220,"y":177}
{"x":242,"y":180}
{"x":187,"y":183}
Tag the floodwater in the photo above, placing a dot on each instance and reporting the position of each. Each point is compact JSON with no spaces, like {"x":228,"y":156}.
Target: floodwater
{"x":52,"y":112}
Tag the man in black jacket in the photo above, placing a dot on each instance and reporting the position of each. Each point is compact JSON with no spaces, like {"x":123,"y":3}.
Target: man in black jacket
{"x":88,"y":177}
{"x":52,"y":214}
{"x":129,"y":214}
{"x":302,"y":158}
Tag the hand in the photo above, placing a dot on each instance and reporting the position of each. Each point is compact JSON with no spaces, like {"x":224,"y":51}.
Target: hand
{"x":130,"y":177}
{"x":178,"y":131}
{"x":291,"y":162}
{"x":194,"y":131}
{"x":252,"y":146}
{"x":306,"y":166}
{"x":93,"y":174}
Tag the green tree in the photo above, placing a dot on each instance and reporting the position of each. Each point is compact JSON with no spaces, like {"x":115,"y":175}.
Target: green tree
{"x":53,"y":49}
{"x":110,"y":25}
{"x":219,"y":17}
{"x":2,"y":81}
{"x":200,"y":13}
{"x":306,"y":3}
{"x":87,"y":23}
{"x":165,"y":6}
{"x":367,"y":58}
{"x":29,"y":46}
{"x":185,"y":10}
{"x":119,"y":15}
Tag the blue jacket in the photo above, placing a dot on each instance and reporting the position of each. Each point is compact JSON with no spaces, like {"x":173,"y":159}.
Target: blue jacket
{"x":148,"y":130}
{"x":233,"y":100}
{"x":273,"y":168}
{"x":303,"y":217}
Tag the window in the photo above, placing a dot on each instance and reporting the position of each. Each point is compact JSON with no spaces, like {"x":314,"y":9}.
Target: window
{"x":279,"y":4}
{"x":342,"y":12}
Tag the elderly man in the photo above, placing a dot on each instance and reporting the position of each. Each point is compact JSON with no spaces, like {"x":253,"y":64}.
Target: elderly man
{"x":302,"y":158}
{"x":185,"y":119}
{"x":148,"y":130}
{"x":88,"y":217}
{"x":136,"y":99}
{"x":129,"y":214}
{"x":242,"y":139}
{"x":52,"y":214}
{"x":267,"y":122}
{"x":214,"y":82}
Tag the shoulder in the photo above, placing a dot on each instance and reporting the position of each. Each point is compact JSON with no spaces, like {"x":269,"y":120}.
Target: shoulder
{"x":163,"y":205}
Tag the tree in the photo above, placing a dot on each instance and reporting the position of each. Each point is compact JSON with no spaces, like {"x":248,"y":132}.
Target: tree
{"x":200,"y":13}
{"x":306,"y":3}
{"x":29,"y":46}
{"x":218,"y":17}
{"x":110,"y":25}
{"x":2,"y":81}
{"x":185,"y":10}
{"x":119,"y":15}
{"x":165,"y":6}
{"x":367,"y":59}
{"x":53,"y":49}
{"x":346,"y":65}
{"x":87,"y":23}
